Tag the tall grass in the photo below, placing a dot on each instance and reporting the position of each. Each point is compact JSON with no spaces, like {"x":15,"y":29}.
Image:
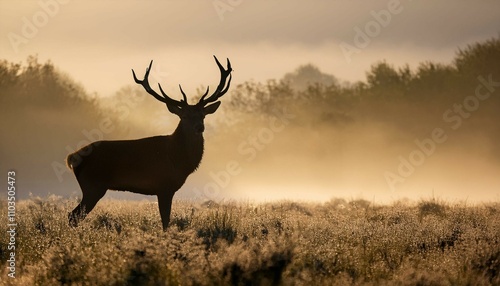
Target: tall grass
{"x":283,"y":243}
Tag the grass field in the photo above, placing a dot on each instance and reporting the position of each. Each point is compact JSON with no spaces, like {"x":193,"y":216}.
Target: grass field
{"x":283,"y":243}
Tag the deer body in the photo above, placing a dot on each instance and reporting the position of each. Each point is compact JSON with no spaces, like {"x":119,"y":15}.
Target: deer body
{"x":151,"y":166}
{"x":145,"y":166}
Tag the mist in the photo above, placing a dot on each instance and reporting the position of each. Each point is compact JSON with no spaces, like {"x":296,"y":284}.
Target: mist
{"x":402,"y":133}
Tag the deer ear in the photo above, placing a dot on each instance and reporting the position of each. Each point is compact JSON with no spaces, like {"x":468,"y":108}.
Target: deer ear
{"x":211,"y":108}
{"x":174,"y":109}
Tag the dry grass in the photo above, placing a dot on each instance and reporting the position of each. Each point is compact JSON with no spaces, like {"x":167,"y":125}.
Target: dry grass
{"x":283,"y":243}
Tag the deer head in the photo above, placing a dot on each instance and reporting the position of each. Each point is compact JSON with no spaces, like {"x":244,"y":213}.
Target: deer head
{"x":191,"y":115}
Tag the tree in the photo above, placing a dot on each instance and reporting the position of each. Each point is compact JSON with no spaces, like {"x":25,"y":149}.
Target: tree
{"x":307,"y":75}
{"x":479,"y":59}
{"x":44,"y":113}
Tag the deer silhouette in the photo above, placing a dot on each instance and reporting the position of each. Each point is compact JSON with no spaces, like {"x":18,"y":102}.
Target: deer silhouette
{"x":156,"y":165}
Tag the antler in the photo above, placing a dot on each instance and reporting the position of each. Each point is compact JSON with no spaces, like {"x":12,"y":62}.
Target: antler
{"x":165,"y":98}
{"x":222,"y":88}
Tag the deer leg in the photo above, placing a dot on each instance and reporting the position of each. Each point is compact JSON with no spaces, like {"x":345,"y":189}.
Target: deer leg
{"x":165,"y":205}
{"x":90,"y":198}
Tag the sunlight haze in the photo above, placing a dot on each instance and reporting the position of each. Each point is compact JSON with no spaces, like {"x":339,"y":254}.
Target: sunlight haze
{"x":387,"y":100}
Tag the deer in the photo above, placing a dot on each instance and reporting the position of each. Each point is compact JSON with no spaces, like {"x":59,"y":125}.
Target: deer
{"x":158,"y":165}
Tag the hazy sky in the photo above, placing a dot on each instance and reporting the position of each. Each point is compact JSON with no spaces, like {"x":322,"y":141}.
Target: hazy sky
{"x":98,"y":42}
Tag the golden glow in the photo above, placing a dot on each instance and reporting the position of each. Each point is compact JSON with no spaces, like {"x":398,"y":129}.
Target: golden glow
{"x":98,"y":43}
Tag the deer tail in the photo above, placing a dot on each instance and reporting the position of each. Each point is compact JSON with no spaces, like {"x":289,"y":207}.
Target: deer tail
{"x":72,"y":161}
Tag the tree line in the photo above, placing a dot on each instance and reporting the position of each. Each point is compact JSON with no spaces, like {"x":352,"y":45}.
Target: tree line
{"x":44,"y":113}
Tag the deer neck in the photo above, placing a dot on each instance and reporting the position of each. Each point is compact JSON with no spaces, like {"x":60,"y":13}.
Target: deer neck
{"x":191,"y":147}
